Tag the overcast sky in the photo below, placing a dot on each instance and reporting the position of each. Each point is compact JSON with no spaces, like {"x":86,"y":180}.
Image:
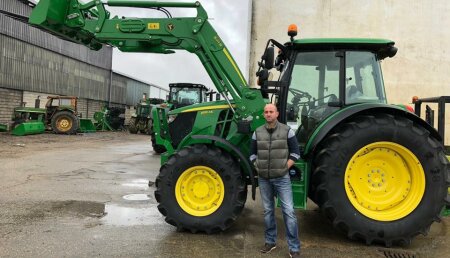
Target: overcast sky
{"x":229,"y":18}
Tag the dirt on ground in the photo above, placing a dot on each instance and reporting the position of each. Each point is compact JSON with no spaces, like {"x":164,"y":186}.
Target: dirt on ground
{"x":16,"y":146}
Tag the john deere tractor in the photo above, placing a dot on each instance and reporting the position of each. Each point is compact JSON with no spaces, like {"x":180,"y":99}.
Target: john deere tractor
{"x":140,"y":121}
{"x":180,"y":95}
{"x":60,"y":115}
{"x":378,"y":172}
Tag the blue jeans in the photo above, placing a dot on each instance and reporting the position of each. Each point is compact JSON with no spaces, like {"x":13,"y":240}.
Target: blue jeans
{"x":270,"y":189}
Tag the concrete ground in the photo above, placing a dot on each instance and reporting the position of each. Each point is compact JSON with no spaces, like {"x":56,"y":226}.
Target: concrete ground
{"x":88,"y":195}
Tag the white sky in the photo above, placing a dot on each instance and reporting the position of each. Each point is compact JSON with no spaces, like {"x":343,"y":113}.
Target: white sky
{"x":231,"y":19}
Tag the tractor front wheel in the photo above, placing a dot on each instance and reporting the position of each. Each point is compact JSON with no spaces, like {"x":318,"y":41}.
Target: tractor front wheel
{"x":64,"y":122}
{"x":201,"y":188}
{"x":380,"y":179}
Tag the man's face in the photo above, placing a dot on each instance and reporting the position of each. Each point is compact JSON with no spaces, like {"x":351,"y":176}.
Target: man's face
{"x":270,"y":113}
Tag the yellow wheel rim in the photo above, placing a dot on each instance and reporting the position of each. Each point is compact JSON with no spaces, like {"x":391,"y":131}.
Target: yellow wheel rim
{"x":64,"y":124}
{"x":384,"y":181}
{"x":199,"y":191}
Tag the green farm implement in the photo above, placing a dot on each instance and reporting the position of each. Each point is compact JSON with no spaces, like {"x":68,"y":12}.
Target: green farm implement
{"x":3,"y":127}
{"x":59,"y":115}
{"x":109,"y":119}
{"x":378,"y":172}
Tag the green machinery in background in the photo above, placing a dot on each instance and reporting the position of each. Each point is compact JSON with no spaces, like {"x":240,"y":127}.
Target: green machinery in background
{"x":140,"y":120}
{"x":377,"y":171}
{"x":28,"y":121}
{"x":59,"y":115}
{"x":180,"y":95}
{"x":3,"y":127}
{"x":109,"y":118}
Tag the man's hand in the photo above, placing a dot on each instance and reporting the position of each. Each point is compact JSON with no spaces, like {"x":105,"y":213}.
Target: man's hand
{"x":290,"y":163}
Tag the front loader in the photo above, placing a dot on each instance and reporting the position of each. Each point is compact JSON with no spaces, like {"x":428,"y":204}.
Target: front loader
{"x":377,"y":171}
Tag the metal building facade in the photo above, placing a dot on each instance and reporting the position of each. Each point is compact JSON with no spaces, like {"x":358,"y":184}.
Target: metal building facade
{"x":34,"y":63}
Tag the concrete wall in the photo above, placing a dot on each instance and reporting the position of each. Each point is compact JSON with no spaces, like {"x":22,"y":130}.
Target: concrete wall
{"x":9,"y":100}
{"x":419,"y":28}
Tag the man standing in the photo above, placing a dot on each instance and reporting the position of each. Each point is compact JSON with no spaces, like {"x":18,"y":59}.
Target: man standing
{"x":274,"y":150}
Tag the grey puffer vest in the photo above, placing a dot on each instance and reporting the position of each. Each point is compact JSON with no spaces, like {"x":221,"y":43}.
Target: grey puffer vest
{"x":273,"y":151}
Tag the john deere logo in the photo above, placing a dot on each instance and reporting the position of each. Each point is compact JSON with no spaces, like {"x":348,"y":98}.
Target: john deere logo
{"x":170,"y":26}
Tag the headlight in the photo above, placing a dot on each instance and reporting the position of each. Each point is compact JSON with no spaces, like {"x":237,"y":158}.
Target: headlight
{"x":171,"y":118}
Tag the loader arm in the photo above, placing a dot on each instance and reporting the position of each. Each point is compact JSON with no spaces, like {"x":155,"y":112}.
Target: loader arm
{"x":90,"y":24}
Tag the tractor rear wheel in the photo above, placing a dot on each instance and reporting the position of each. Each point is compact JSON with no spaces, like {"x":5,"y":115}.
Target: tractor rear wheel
{"x":380,"y":179}
{"x":132,"y":126}
{"x":64,"y":122}
{"x":201,"y":188}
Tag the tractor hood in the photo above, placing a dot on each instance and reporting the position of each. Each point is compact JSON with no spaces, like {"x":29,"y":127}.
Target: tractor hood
{"x":221,"y":104}
{"x":29,"y":110}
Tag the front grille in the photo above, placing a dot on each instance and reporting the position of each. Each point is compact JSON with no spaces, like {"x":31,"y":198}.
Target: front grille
{"x":181,"y":127}
{"x":223,"y":123}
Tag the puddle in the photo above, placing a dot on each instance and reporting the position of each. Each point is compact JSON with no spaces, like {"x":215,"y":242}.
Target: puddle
{"x":78,"y":208}
{"x":126,"y":216}
{"x":139,"y":183}
{"x":137,"y":197}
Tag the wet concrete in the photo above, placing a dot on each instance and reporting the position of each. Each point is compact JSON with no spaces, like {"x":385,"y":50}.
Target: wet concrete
{"x":93,"y":199}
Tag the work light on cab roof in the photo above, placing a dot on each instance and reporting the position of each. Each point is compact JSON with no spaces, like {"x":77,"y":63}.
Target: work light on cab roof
{"x":292,"y":31}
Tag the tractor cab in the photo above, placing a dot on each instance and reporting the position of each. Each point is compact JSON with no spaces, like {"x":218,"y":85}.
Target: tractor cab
{"x":58,"y":103}
{"x":319,"y":77}
{"x":185,"y":94}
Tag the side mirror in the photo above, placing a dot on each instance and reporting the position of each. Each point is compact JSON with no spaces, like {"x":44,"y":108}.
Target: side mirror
{"x":263,"y":76}
{"x":268,"y":58}
{"x":217,"y":96}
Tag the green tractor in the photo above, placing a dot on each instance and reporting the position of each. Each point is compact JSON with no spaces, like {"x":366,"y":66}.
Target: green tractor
{"x":378,"y":172}
{"x":181,"y":95}
{"x":60,"y":115}
{"x":140,"y":121}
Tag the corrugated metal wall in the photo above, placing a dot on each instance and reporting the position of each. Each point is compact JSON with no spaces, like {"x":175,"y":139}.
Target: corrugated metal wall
{"x":26,"y":33}
{"x":134,"y":89}
{"x":33,"y":62}
{"x":27,"y":67}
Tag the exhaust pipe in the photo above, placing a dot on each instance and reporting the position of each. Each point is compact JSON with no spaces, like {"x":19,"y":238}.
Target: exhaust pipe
{"x":37,"y":102}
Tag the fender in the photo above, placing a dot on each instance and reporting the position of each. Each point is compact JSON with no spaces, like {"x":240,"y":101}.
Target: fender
{"x":243,"y":160}
{"x":344,"y":114}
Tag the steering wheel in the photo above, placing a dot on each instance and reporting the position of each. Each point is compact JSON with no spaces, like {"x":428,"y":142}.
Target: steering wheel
{"x":299,"y":93}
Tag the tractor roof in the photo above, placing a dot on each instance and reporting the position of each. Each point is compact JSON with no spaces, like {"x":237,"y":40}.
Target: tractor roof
{"x":343,"y":43}
{"x":188,"y":85}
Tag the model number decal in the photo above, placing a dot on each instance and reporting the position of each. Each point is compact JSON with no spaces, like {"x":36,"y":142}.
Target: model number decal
{"x":207,"y":112}
{"x":153,"y":26}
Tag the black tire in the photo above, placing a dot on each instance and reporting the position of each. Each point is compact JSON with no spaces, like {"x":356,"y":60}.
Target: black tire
{"x":65,"y":122}
{"x":132,"y":126}
{"x":330,"y":164}
{"x":157,"y":147}
{"x":234,"y":196}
